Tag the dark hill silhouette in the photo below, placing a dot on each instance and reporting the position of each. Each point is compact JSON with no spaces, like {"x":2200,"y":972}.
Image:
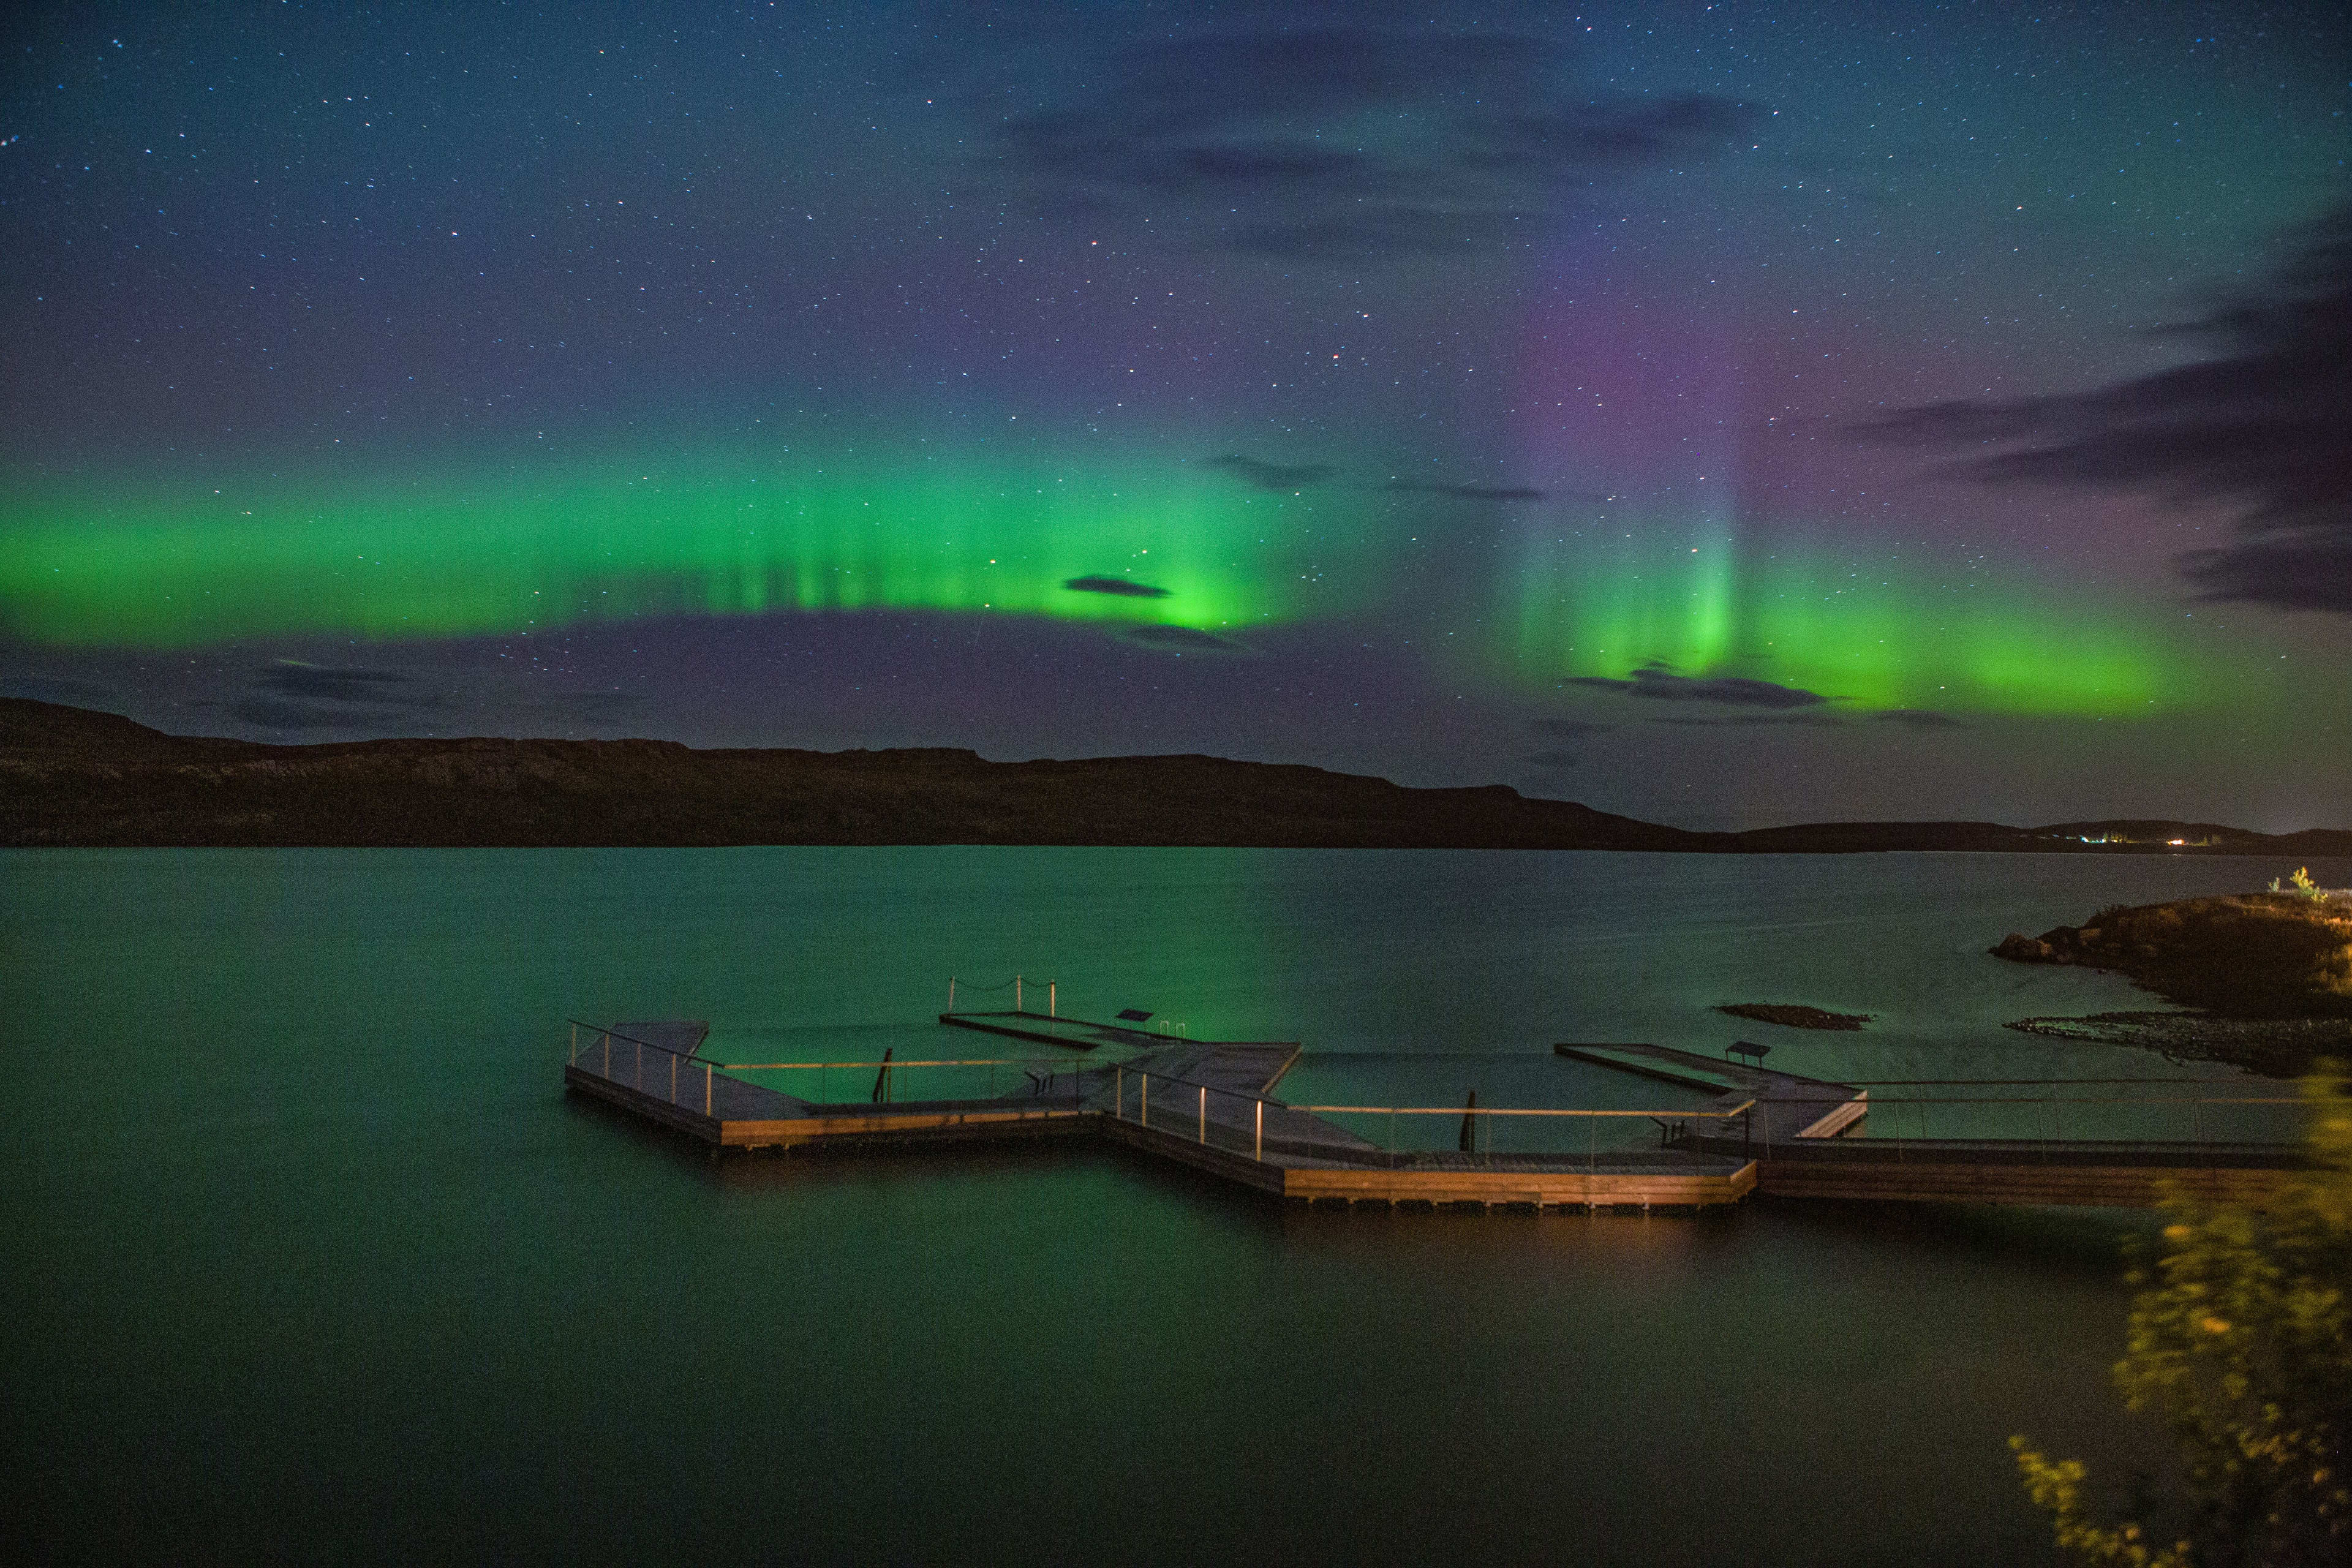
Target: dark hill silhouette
{"x":72,"y":777}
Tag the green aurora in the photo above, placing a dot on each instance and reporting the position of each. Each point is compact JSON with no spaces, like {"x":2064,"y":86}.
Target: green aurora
{"x":160,"y":569}
{"x":1891,"y":637}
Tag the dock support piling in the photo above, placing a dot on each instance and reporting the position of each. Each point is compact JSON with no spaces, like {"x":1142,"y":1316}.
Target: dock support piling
{"x":1204,"y":1113}
{"x":1257,"y":1141}
{"x":1053,"y":998}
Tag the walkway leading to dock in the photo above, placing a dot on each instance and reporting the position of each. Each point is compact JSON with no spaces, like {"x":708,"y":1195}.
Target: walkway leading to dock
{"x":1810,"y":1138}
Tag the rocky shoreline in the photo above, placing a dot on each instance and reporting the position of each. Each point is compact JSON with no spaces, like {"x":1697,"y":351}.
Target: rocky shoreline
{"x":2264,"y":979}
{"x":2275,"y":1048}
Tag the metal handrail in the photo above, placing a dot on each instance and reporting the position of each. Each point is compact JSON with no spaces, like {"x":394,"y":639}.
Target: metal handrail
{"x":1497,"y":1111}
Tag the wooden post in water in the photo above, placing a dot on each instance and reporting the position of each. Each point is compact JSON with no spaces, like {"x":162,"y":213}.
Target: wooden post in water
{"x":706,"y":1089}
{"x":1204,"y":1113}
{"x":1257,"y":1143}
{"x":1016,"y":994}
{"x":950,"y":993}
{"x":1053,"y":998}
{"x":1143,"y":1100}
{"x":1118,"y":1099}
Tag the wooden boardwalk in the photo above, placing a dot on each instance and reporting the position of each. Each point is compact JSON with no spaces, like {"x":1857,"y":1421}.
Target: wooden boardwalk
{"x":1200,"y":1103}
{"x":1208,"y":1105}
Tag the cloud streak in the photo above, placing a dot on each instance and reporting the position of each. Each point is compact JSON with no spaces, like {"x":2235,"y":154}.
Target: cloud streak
{"x":1274,"y":476}
{"x":1117,"y":588}
{"x":2264,"y":426}
{"x":1348,"y":143}
{"x":1465,"y":492}
{"x":1656,"y":683}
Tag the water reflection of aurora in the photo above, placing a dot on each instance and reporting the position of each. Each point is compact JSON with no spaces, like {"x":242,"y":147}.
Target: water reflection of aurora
{"x":165,"y":569}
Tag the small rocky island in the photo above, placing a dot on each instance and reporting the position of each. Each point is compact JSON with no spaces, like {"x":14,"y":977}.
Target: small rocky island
{"x":2266,"y":977}
{"x":1792,"y":1016}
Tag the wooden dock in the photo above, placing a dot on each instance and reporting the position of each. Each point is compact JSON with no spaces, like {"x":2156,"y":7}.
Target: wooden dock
{"x":1208,"y":1105}
{"x":1200,"y":1103}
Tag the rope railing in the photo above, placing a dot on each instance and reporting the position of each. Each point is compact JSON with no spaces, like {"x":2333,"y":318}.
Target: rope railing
{"x":1015,"y":985}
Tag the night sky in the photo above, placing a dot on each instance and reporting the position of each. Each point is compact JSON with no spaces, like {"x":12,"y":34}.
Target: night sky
{"x":1723,"y":415}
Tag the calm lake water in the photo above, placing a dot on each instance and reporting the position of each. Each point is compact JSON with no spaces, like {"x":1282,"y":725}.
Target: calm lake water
{"x":310,"y":1256}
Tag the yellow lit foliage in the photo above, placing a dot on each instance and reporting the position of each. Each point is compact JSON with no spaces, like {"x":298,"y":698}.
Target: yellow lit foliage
{"x":2241,"y":1338}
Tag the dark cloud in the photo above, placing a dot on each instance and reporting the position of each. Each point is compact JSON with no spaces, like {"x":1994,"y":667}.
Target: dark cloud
{"x":1273,"y":475}
{"x":71,"y":693}
{"x":291,"y":696}
{"x":1660,"y":684}
{"x":1751,"y":721}
{"x":1179,"y":640}
{"x":1466,"y":492}
{"x":276,"y":713}
{"x":2263,"y":427}
{"x":1917,"y":719}
{"x":1348,"y":143}
{"x":325,"y":683}
{"x":1118,"y":586}
{"x":1568,"y":729}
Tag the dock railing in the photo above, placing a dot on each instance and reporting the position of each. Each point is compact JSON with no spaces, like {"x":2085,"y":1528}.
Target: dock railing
{"x":1412,"y":1136}
{"x":2160,"y":1113}
{"x":679,"y":1078}
{"x":696,"y":1083}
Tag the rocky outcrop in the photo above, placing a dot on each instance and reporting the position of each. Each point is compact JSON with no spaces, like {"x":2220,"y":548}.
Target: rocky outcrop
{"x":2255,"y":955}
{"x":1795,"y":1015}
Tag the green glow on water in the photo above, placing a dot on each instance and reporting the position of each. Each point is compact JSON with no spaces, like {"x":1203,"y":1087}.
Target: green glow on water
{"x":1891,"y":637}
{"x":169,"y":569}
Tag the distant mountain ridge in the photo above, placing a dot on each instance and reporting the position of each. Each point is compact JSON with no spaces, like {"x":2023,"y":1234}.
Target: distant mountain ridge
{"x":72,"y":777}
